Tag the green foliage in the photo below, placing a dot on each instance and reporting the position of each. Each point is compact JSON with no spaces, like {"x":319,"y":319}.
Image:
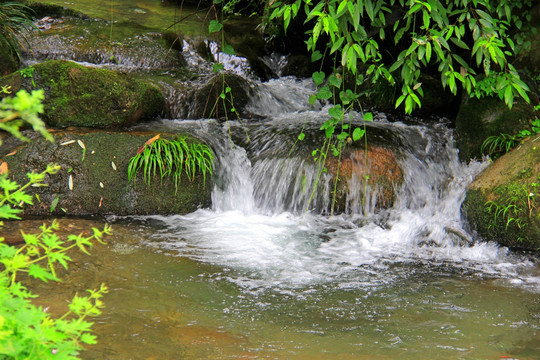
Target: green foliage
{"x":14,"y":19}
{"x":338,"y":128}
{"x":28,"y":72}
{"x":20,"y":109}
{"x":171,"y":158}
{"x":503,"y":143}
{"x":514,"y":204}
{"x":27,"y":331}
{"x":14,"y":196}
{"x":432,"y":34}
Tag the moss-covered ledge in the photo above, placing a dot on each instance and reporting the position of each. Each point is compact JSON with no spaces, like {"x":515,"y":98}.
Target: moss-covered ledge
{"x":99,"y":182}
{"x":81,"y":96}
{"x":502,"y":204}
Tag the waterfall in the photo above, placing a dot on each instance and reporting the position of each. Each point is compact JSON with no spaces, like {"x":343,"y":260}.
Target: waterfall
{"x":259,"y":226}
{"x":269,"y":224}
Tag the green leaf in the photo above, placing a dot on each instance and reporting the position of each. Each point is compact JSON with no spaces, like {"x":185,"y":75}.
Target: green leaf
{"x":301,"y":136}
{"x":217,"y":67}
{"x":358,"y":133}
{"x":7,"y":184}
{"x":40,"y":273}
{"x":333,"y":80}
{"x":337,"y":44}
{"x":6,"y":212}
{"x":88,"y":338}
{"x":318,"y":77}
{"x":316,"y":55}
{"x":428,"y":51}
{"x":214,"y":26}
{"x":54,"y":203}
{"x":227,"y":49}
{"x":324,"y":93}
{"x":509,"y":97}
{"x":336,"y":112}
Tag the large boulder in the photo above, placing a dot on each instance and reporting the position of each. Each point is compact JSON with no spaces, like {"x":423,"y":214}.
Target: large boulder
{"x":502,"y":204}
{"x":88,"y":97}
{"x":99,"y":181}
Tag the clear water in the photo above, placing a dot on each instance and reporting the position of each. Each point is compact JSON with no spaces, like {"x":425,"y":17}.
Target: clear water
{"x":165,"y":305}
{"x":150,"y":14}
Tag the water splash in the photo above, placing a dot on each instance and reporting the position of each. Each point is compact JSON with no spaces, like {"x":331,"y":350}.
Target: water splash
{"x":258,"y":227}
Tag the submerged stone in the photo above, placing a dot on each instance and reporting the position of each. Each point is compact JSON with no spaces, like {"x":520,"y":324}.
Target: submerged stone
{"x":502,"y":204}
{"x":76,"y":95}
{"x":93,"y":180}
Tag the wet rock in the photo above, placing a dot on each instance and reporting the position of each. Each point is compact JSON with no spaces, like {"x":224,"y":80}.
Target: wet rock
{"x":480,"y":118}
{"x":502,"y":204}
{"x":366,"y":180}
{"x":300,"y":66}
{"x":89,"y":97}
{"x":243,"y":35}
{"x":94,"y":181}
{"x":224,"y":96}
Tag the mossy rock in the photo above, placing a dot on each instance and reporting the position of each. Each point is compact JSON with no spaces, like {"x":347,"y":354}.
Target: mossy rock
{"x":89,"y":97}
{"x":99,"y":177}
{"x":9,"y":61}
{"x":480,"y":118}
{"x":502,"y":203}
{"x":207,"y":102}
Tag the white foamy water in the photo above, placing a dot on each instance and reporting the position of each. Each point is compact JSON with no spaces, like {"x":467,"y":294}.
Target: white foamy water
{"x":267,"y":229}
{"x":258,"y":227}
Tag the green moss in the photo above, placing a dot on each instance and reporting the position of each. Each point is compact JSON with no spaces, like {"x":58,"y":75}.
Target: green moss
{"x":100,"y":177}
{"x":49,"y":9}
{"x":495,"y":228}
{"x":89,"y":97}
{"x":208,"y":102}
{"x":507,"y":216}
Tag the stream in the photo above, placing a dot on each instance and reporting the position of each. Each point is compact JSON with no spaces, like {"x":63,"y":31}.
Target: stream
{"x":267,"y":273}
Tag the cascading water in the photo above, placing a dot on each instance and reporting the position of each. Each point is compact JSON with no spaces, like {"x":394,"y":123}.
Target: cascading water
{"x":267,"y":229}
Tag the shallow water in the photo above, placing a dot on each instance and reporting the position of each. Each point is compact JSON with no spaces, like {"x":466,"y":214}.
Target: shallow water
{"x":167,"y":304}
{"x":152,"y":14}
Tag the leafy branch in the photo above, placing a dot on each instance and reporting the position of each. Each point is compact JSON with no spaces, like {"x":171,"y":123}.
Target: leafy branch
{"x":433,"y":34}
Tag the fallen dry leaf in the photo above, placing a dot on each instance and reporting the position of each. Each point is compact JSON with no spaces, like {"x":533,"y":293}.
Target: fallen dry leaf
{"x":3,"y":167}
{"x":148,"y":143}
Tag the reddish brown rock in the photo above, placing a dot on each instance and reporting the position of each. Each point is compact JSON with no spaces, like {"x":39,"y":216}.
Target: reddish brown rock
{"x":379,"y":166}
